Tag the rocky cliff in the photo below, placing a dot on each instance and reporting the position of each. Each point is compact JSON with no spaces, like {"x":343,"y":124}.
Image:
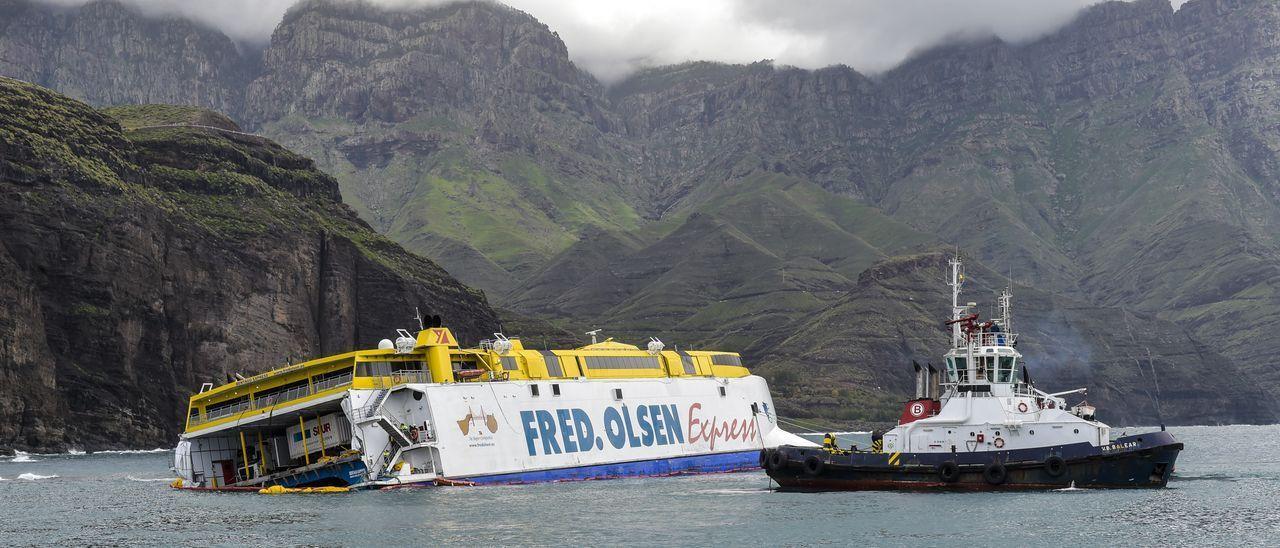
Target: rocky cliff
{"x":1124,"y":165}
{"x":107,"y":54}
{"x":142,"y":262}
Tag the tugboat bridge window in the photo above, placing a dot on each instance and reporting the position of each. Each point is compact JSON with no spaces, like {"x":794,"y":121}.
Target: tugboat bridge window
{"x":1006,"y":370}
{"x":958,"y":369}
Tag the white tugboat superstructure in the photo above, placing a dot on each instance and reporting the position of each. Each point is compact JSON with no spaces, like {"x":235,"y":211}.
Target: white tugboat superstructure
{"x":982,"y":424}
{"x":985,"y":397}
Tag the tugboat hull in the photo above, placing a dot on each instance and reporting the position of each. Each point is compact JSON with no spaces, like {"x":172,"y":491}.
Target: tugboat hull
{"x":1142,"y":461}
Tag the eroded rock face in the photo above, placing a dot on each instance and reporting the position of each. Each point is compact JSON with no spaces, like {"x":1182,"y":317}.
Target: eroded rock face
{"x":139,"y":264}
{"x":1126,"y":161}
{"x":106,"y":53}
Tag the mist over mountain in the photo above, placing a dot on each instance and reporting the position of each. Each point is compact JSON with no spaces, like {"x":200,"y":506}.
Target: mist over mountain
{"x":1118,"y":168}
{"x":614,"y":39}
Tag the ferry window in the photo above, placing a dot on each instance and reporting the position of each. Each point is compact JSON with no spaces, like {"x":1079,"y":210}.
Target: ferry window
{"x":722,"y":391}
{"x":687,"y":361}
{"x":617,"y":393}
{"x":509,"y":363}
{"x":725,"y":359}
{"x":622,"y":362}
{"x":554,"y":368}
{"x":329,"y":380}
{"x":555,"y":390}
{"x":279,"y":394}
{"x":375,"y":369}
{"x":533,"y":389}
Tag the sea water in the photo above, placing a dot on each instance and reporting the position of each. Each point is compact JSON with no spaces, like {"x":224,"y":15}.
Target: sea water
{"x":1226,"y":490}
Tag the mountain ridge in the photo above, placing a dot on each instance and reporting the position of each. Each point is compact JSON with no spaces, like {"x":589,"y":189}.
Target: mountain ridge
{"x":1122,"y":162}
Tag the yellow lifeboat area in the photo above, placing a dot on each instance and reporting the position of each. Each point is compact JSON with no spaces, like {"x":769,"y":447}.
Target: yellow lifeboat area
{"x":282,"y":394}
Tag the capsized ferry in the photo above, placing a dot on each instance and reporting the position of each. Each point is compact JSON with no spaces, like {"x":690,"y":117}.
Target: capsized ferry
{"x":422,"y":410}
{"x":983,"y":426}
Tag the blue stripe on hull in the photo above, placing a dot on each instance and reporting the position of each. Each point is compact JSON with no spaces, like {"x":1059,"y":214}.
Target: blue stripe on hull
{"x":701,"y":464}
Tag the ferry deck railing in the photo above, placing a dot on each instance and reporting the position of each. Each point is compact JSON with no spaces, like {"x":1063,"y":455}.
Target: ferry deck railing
{"x":272,"y":399}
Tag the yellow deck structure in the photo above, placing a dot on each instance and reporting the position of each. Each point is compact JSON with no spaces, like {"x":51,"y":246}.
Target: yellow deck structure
{"x":436,"y":357}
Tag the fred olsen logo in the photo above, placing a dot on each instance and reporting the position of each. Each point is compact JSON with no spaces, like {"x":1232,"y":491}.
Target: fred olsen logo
{"x":572,"y":430}
{"x":475,"y":422}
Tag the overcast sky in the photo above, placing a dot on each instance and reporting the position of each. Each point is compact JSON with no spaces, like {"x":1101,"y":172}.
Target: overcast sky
{"x":613,"y":38}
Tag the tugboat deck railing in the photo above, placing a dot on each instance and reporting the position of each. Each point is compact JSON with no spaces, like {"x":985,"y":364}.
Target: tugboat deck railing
{"x":978,"y":340}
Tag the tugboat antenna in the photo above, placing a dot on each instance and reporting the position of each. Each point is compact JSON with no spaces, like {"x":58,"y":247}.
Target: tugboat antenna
{"x":1155,"y":399}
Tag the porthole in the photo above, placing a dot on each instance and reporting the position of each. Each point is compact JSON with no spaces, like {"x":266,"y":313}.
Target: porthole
{"x":417,"y":396}
{"x":1033,"y":432}
{"x":1077,"y":430}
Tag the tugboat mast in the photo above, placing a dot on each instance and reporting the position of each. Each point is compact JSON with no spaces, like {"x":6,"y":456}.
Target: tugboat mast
{"x":957,"y":311}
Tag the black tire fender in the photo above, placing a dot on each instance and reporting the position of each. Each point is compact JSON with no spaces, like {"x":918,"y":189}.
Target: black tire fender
{"x":949,"y":471}
{"x":813,"y":465}
{"x":777,"y":460}
{"x":1055,"y":466}
{"x":995,"y":473}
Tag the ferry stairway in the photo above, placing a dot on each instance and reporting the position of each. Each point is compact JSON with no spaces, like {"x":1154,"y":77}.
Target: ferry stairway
{"x":393,"y":430}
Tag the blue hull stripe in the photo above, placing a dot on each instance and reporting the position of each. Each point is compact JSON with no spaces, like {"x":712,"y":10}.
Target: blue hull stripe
{"x":701,"y":464}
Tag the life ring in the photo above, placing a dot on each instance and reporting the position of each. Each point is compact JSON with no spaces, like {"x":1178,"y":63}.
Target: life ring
{"x":1055,"y":466}
{"x":776,"y":460}
{"x":813,"y":465}
{"x":995,"y":473}
{"x":949,"y":471}
{"x":999,"y":443}
{"x":1022,"y":407}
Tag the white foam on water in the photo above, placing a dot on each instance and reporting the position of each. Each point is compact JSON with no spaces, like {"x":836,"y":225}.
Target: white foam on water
{"x":731,"y":491}
{"x":1071,"y":487}
{"x":132,"y":451}
{"x":22,"y":456}
{"x":131,"y":478}
{"x":33,"y":477}
{"x":75,"y":452}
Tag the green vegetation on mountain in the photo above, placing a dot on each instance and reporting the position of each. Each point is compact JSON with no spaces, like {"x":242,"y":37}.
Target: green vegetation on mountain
{"x":140,"y":263}
{"x":1122,"y":170}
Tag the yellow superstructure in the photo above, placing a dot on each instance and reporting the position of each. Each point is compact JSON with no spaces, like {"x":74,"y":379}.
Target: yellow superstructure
{"x":436,"y":357}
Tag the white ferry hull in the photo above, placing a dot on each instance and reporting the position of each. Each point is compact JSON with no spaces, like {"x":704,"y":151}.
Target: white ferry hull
{"x":496,"y":433}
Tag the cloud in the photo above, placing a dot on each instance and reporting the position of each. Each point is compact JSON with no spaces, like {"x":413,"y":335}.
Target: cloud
{"x":250,"y":21}
{"x":614,"y":38}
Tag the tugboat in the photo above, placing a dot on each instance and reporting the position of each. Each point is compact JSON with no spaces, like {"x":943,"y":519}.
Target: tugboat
{"x":982,"y":426}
